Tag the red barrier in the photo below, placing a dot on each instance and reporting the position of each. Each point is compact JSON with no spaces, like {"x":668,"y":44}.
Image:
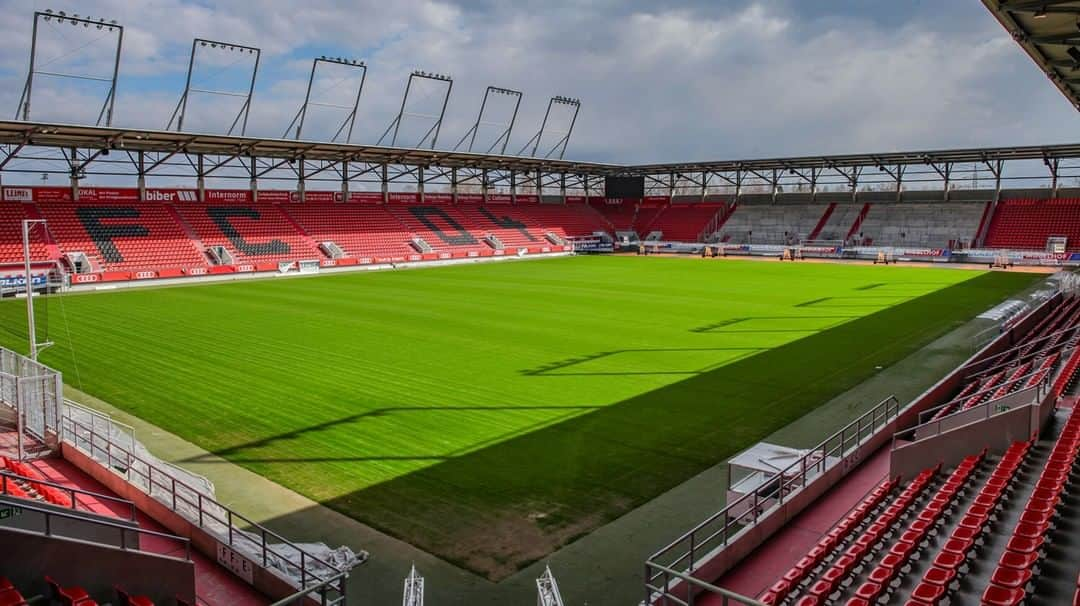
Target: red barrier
{"x":346,"y":261}
{"x":222,"y":269}
{"x":328,"y":262}
{"x":115,"y":276}
{"x":170,"y":273}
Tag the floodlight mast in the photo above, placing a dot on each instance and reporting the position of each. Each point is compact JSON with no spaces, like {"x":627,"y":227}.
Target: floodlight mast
{"x":181,"y":107}
{"x":47,"y":15}
{"x":535,"y":141}
{"x":433,"y":132}
{"x":504,"y":137}
{"x":350,"y":119}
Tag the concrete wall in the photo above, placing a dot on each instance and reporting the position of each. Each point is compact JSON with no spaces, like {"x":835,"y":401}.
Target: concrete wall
{"x":995,"y":434}
{"x":73,"y":524}
{"x":26,"y":558}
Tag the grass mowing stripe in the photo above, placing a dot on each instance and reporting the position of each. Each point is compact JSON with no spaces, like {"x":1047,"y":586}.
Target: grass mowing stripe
{"x":415,"y":400}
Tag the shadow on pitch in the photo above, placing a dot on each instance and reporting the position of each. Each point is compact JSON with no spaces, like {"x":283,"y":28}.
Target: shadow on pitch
{"x":479,"y":509}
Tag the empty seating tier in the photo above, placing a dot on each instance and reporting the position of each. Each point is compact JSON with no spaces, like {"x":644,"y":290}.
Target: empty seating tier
{"x":250,"y":232}
{"x":129,"y":236}
{"x":1027,"y":224}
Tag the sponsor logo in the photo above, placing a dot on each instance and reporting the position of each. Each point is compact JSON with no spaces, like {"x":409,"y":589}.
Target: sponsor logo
{"x":197,"y":271}
{"x":83,"y":278}
{"x":245,"y":268}
{"x":366,"y":260}
{"x":143,"y":275}
{"x":545,"y":249}
{"x":419,"y":257}
{"x":445,"y":255}
{"x":473,"y":253}
{"x":18,"y":194}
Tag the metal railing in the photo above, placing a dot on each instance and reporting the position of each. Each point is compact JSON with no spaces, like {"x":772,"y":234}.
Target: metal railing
{"x":927,"y":416}
{"x":717,"y":530}
{"x":209,"y":515}
{"x":122,"y":530}
{"x":322,"y":598}
{"x":664,"y":598}
{"x":72,"y":493}
{"x":1027,"y":396}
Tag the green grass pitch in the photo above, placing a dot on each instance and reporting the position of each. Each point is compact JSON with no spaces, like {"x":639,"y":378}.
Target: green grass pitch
{"x":492,"y":413}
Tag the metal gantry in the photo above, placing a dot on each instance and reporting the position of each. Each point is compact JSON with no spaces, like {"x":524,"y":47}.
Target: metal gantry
{"x":556,"y":101}
{"x":242,"y":116}
{"x":547,"y":589}
{"x":413,"y":592}
{"x":508,"y":127}
{"x":350,"y":119}
{"x":432,"y":132}
{"x":61,"y":18}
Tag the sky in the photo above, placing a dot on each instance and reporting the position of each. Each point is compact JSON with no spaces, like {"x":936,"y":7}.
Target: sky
{"x":659,"y":81}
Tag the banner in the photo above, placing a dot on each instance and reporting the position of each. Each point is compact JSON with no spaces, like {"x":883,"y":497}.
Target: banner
{"x":17,"y":282}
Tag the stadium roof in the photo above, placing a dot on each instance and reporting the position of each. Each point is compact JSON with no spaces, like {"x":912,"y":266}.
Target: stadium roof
{"x":18,"y":133}
{"x":133,"y":140}
{"x":1049,"y":30}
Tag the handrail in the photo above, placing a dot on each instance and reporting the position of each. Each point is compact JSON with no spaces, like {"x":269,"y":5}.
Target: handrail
{"x":49,"y":514}
{"x":6,"y":475}
{"x":786,"y":482}
{"x":1033,"y":354}
{"x":934,"y":409}
{"x":725,"y":594}
{"x":200,"y":503}
{"x":341,"y":576}
{"x":984,"y":407}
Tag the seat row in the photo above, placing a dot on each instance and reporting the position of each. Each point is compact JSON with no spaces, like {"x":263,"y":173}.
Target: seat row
{"x":28,"y":483}
{"x":1011,"y":580}
{"x":837,"y":553}
{"x":916,"y":537}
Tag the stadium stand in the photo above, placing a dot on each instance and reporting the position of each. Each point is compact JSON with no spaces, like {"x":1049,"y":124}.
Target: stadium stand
{"x":1026,"y":224}
{"x":922,"y":225}
{"x":511,"y":227}
{"x":773,"y":223}
{"x":122,"y":237}
{"x":621,"y":215}
{"x":992,"y":529}
{"x":442,"y":227}
{"x":361,"y":230}
{"x":12,"y":215}
{"x":569,"y":219}
{"x":250,"y":232}
{"x":684,"y":222}
{"x":842,"y":222}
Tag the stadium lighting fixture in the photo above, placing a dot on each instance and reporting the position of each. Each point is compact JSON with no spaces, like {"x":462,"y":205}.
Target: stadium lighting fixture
{"x":245,"y":109}
{"x":504,"y":136}
{"x":432,"y":132}
{"x":350,"y":119}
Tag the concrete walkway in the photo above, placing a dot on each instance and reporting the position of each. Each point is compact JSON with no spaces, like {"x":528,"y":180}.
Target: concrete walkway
{"x":602,"y":568}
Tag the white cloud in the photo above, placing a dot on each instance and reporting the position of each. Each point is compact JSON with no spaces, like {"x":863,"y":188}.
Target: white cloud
{"x":658,"y":82}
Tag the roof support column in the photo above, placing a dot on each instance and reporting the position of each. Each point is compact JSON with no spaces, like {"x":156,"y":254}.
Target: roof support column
{"x":453,"y":185}
{"x":813,"y":184}
{"x":899,"y":181}
{"x":484,"y":186}
{"x":301,"y":180}
{"x":513,"y":187}
{"x":562,"y":187}
{"x":704,"y":184}
{"x":420,"y":182}
{"x":1053,"y":166}
{"x":671,"y":186}
{"x":74,"y":174}
{"x":200,"y":176}
{"x":775,"y":184}
{"x":585,"y":181}
{"x":344,"y":180}
{"x":254,"y":184}
{"x":385,"y":184}
{"x":142,"y":175}
{"x":738,"y":185}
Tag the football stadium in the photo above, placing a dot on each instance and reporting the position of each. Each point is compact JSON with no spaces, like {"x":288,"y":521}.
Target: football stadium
{"x":439,"y":361}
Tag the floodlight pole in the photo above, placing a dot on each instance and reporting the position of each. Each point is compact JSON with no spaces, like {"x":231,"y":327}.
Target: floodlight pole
{"x":504,"y":137}
{"x":181,"y":107}
{"x":350,"y":119}
{"x":395,"y":126}
{"x":110,"y":100}
{"x":535,"y":141}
